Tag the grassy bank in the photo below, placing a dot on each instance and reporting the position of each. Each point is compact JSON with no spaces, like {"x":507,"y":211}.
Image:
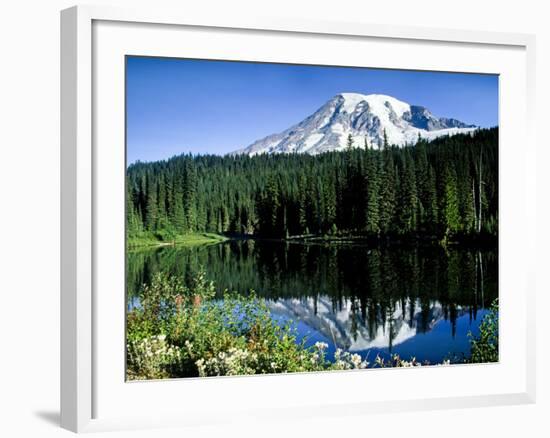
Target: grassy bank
{"x":190,"y":239}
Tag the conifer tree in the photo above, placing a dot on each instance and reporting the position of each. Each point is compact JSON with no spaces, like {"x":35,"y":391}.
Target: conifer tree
{"x":388,"y":185}
{"x":349,"y":143}
{"x":450,"y":210}
{"x":151,"y":207}
{"x":408,"y":198}
{"x":177,"y":216}
{"x":372,"y":213}
{"x":189,"y":193}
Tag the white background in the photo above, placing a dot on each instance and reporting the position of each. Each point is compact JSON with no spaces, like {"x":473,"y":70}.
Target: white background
{"x":229,"y":397}
{"x":29,"y":216}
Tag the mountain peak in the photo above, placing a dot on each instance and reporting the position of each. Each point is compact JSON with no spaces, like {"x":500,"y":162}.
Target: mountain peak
{"x":352,"y":100}
{"x":366,"y":117}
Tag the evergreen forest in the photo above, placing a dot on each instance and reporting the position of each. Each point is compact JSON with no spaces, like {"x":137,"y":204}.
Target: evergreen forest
{"x":445,"y":190}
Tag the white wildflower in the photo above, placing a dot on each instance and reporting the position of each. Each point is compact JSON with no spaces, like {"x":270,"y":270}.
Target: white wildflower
{"x":314,"y":358}
{"x":321,"y":345}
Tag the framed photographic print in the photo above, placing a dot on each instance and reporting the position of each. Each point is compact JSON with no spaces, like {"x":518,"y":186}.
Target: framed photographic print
{"x":277,"y":218}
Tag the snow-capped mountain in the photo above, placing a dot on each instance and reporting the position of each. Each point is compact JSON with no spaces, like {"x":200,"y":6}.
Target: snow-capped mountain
{"x":319,"y":316}
{"x":362,"y":116}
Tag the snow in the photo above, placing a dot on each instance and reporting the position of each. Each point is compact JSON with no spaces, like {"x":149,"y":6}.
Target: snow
{"x":351,"y":100}
{"x":380,"y":100}
{"x":338,"y":128}
{"x":381,"y":106}
{"x":430,"y":135}
{"x":377,"y":103}
{"x":324,"y":123}
{"x":319,"y":315}
{"x":311,"y":141}
{"x":329,"y":127}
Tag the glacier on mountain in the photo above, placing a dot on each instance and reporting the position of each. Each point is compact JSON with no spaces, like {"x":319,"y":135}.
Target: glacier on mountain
{"x":367,"y":118}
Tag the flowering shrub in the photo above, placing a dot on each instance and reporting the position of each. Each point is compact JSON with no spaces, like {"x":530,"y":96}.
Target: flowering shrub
{"x":231,"y":363}
{"x":167,"y":295}
{"x":344,"y":360}
{"x":238,"y":336}
{"x":396,"y":362}
{"x":183,"y":332}
{"x":151,"y":358}
{"x":484,"y":348}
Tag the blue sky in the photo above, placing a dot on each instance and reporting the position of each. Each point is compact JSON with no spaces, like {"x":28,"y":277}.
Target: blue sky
{"x":179,"y":106}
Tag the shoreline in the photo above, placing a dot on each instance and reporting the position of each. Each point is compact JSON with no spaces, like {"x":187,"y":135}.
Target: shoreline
{"x":481,"y":241}
{"x":207,"y":238}
{"x":191,"y":239}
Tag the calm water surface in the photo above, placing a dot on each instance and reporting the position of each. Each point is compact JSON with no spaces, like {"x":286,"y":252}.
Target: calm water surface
{"x":419,"y":302}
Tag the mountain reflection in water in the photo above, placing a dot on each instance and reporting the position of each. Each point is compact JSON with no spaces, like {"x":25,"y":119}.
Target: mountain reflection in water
{"x":415,"y":302}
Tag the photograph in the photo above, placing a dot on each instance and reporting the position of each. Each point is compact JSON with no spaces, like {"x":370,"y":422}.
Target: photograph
{"x":290,"y":218}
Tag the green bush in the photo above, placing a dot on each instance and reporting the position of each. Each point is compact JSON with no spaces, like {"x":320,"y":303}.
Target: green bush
{"x":180,"y":331}
{"x":484,"y":347}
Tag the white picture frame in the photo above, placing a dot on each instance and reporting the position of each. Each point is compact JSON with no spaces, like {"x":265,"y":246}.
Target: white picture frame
{"x":92,"y":36}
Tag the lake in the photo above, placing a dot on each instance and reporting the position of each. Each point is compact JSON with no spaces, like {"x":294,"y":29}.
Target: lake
{"x":416,"y":302}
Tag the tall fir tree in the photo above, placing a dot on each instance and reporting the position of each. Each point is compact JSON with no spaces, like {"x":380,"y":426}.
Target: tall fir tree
{"x":408,"y":197}
{"x":388,"y":186}
{"x":372,"y":183}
